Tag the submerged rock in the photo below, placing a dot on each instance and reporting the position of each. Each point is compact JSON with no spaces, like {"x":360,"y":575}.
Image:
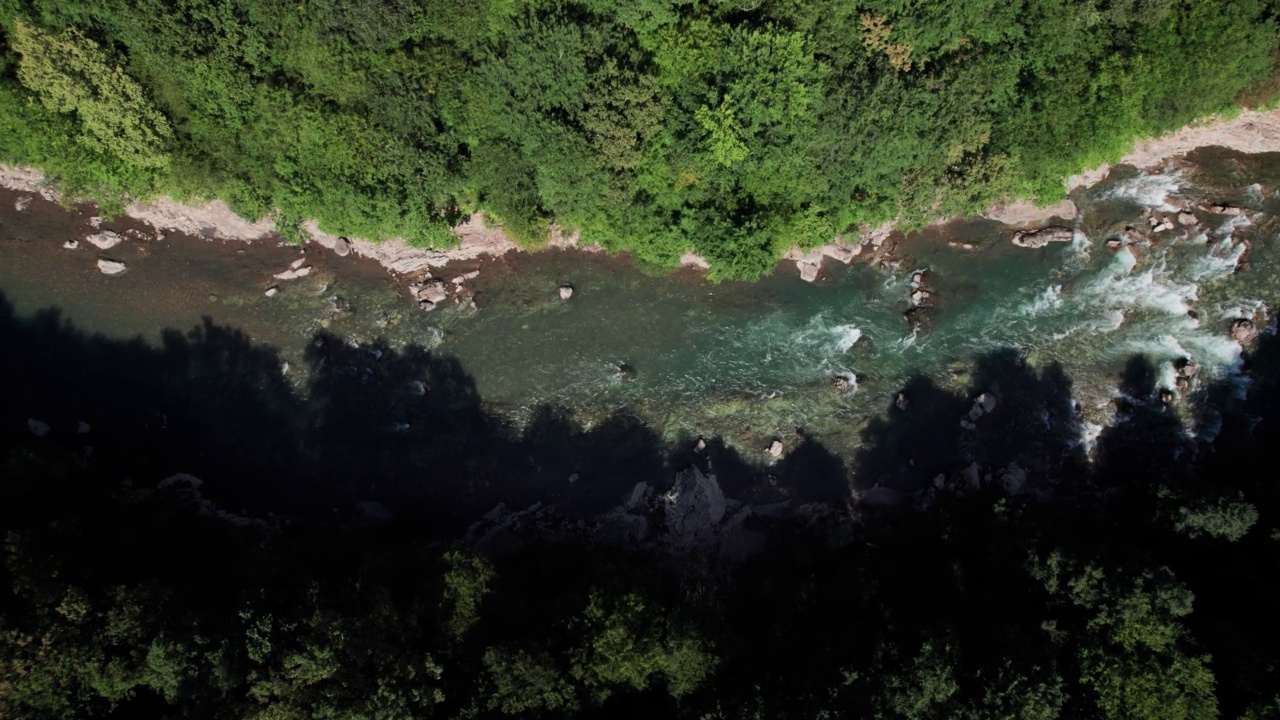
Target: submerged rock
{"x":1041,"y":238}
{"x":104,"y":240}
{"x":111,"y":267}
{"x":429,"y":293}
{"x":624,"y":371}
{"x":38,"y":427}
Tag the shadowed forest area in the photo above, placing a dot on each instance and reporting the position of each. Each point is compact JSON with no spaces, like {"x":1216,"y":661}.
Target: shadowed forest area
{"x":987,"y":573}
{"x":732,"y":129}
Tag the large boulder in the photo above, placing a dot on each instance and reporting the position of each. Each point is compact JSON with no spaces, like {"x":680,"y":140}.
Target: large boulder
{"x":693,"y":507}
{"x":294,"y":272}
{"x":1041,"y":238}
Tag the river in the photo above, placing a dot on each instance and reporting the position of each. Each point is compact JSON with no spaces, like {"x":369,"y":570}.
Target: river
{"x":746,"y":362}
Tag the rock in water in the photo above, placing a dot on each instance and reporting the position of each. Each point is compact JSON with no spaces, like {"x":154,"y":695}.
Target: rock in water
{"x":71,"y":244}
{"x":293,"y":273}
{"x":808,"y":270}
{"x":342,"y":247}
{"x":111,"y":267}
{"x":1041,"y":238}
{"x":271,"y":291}
{"x":775,"y":449}
{"x":566,"y":291}
{"x":1243,"y":331}
{"x":430,"y":292}
{"x":37,"y":427}
{"x":104,"y":240}
{"x":694,"y":506}
{"x":21,"y":203}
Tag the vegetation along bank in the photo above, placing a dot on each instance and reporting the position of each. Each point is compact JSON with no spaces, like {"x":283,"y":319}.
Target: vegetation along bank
{"x":734,"y":132}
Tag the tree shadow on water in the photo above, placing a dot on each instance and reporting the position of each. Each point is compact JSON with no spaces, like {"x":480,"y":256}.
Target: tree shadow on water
{"x":404,"y":428}
{"x":916,"y":439}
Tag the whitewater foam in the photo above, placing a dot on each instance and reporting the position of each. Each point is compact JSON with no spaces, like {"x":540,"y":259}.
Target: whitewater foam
{"x":1151,"y":191}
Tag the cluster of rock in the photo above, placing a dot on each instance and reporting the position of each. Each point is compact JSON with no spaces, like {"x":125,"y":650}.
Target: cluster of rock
{"x":1185,"y":371}
{"x":810,"y":263}
{"x":297,"y":269}
{"x":104,"y":240}
{"x":1244,"y":331}
{"x":430,"y":292}
{"x":920,"y":303}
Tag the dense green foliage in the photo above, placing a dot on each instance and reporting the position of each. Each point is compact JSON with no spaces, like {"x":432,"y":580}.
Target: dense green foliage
{"x":140,"y":606}
{"x":731,"y":129}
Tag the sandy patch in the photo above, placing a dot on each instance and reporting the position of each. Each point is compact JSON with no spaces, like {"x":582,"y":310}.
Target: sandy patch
{"x":1023,"y":212}
{"x":212,"y":219}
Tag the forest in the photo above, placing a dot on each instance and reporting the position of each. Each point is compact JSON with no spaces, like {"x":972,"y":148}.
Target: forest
{"x":1134,"y":585}
{"x":731,"y":129}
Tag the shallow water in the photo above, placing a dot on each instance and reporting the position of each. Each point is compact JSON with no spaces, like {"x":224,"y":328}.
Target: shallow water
{"x":745,"y":361}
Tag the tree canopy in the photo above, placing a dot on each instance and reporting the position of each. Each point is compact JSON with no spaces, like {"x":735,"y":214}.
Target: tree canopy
{"x":656,"y":127}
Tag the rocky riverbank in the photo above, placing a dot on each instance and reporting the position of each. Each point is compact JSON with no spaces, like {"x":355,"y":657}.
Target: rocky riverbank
{"x":1250,"y":131}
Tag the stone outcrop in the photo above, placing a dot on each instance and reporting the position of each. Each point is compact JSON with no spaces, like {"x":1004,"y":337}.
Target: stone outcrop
{"x":1041,"y":238}
{"x":104,"y":240}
